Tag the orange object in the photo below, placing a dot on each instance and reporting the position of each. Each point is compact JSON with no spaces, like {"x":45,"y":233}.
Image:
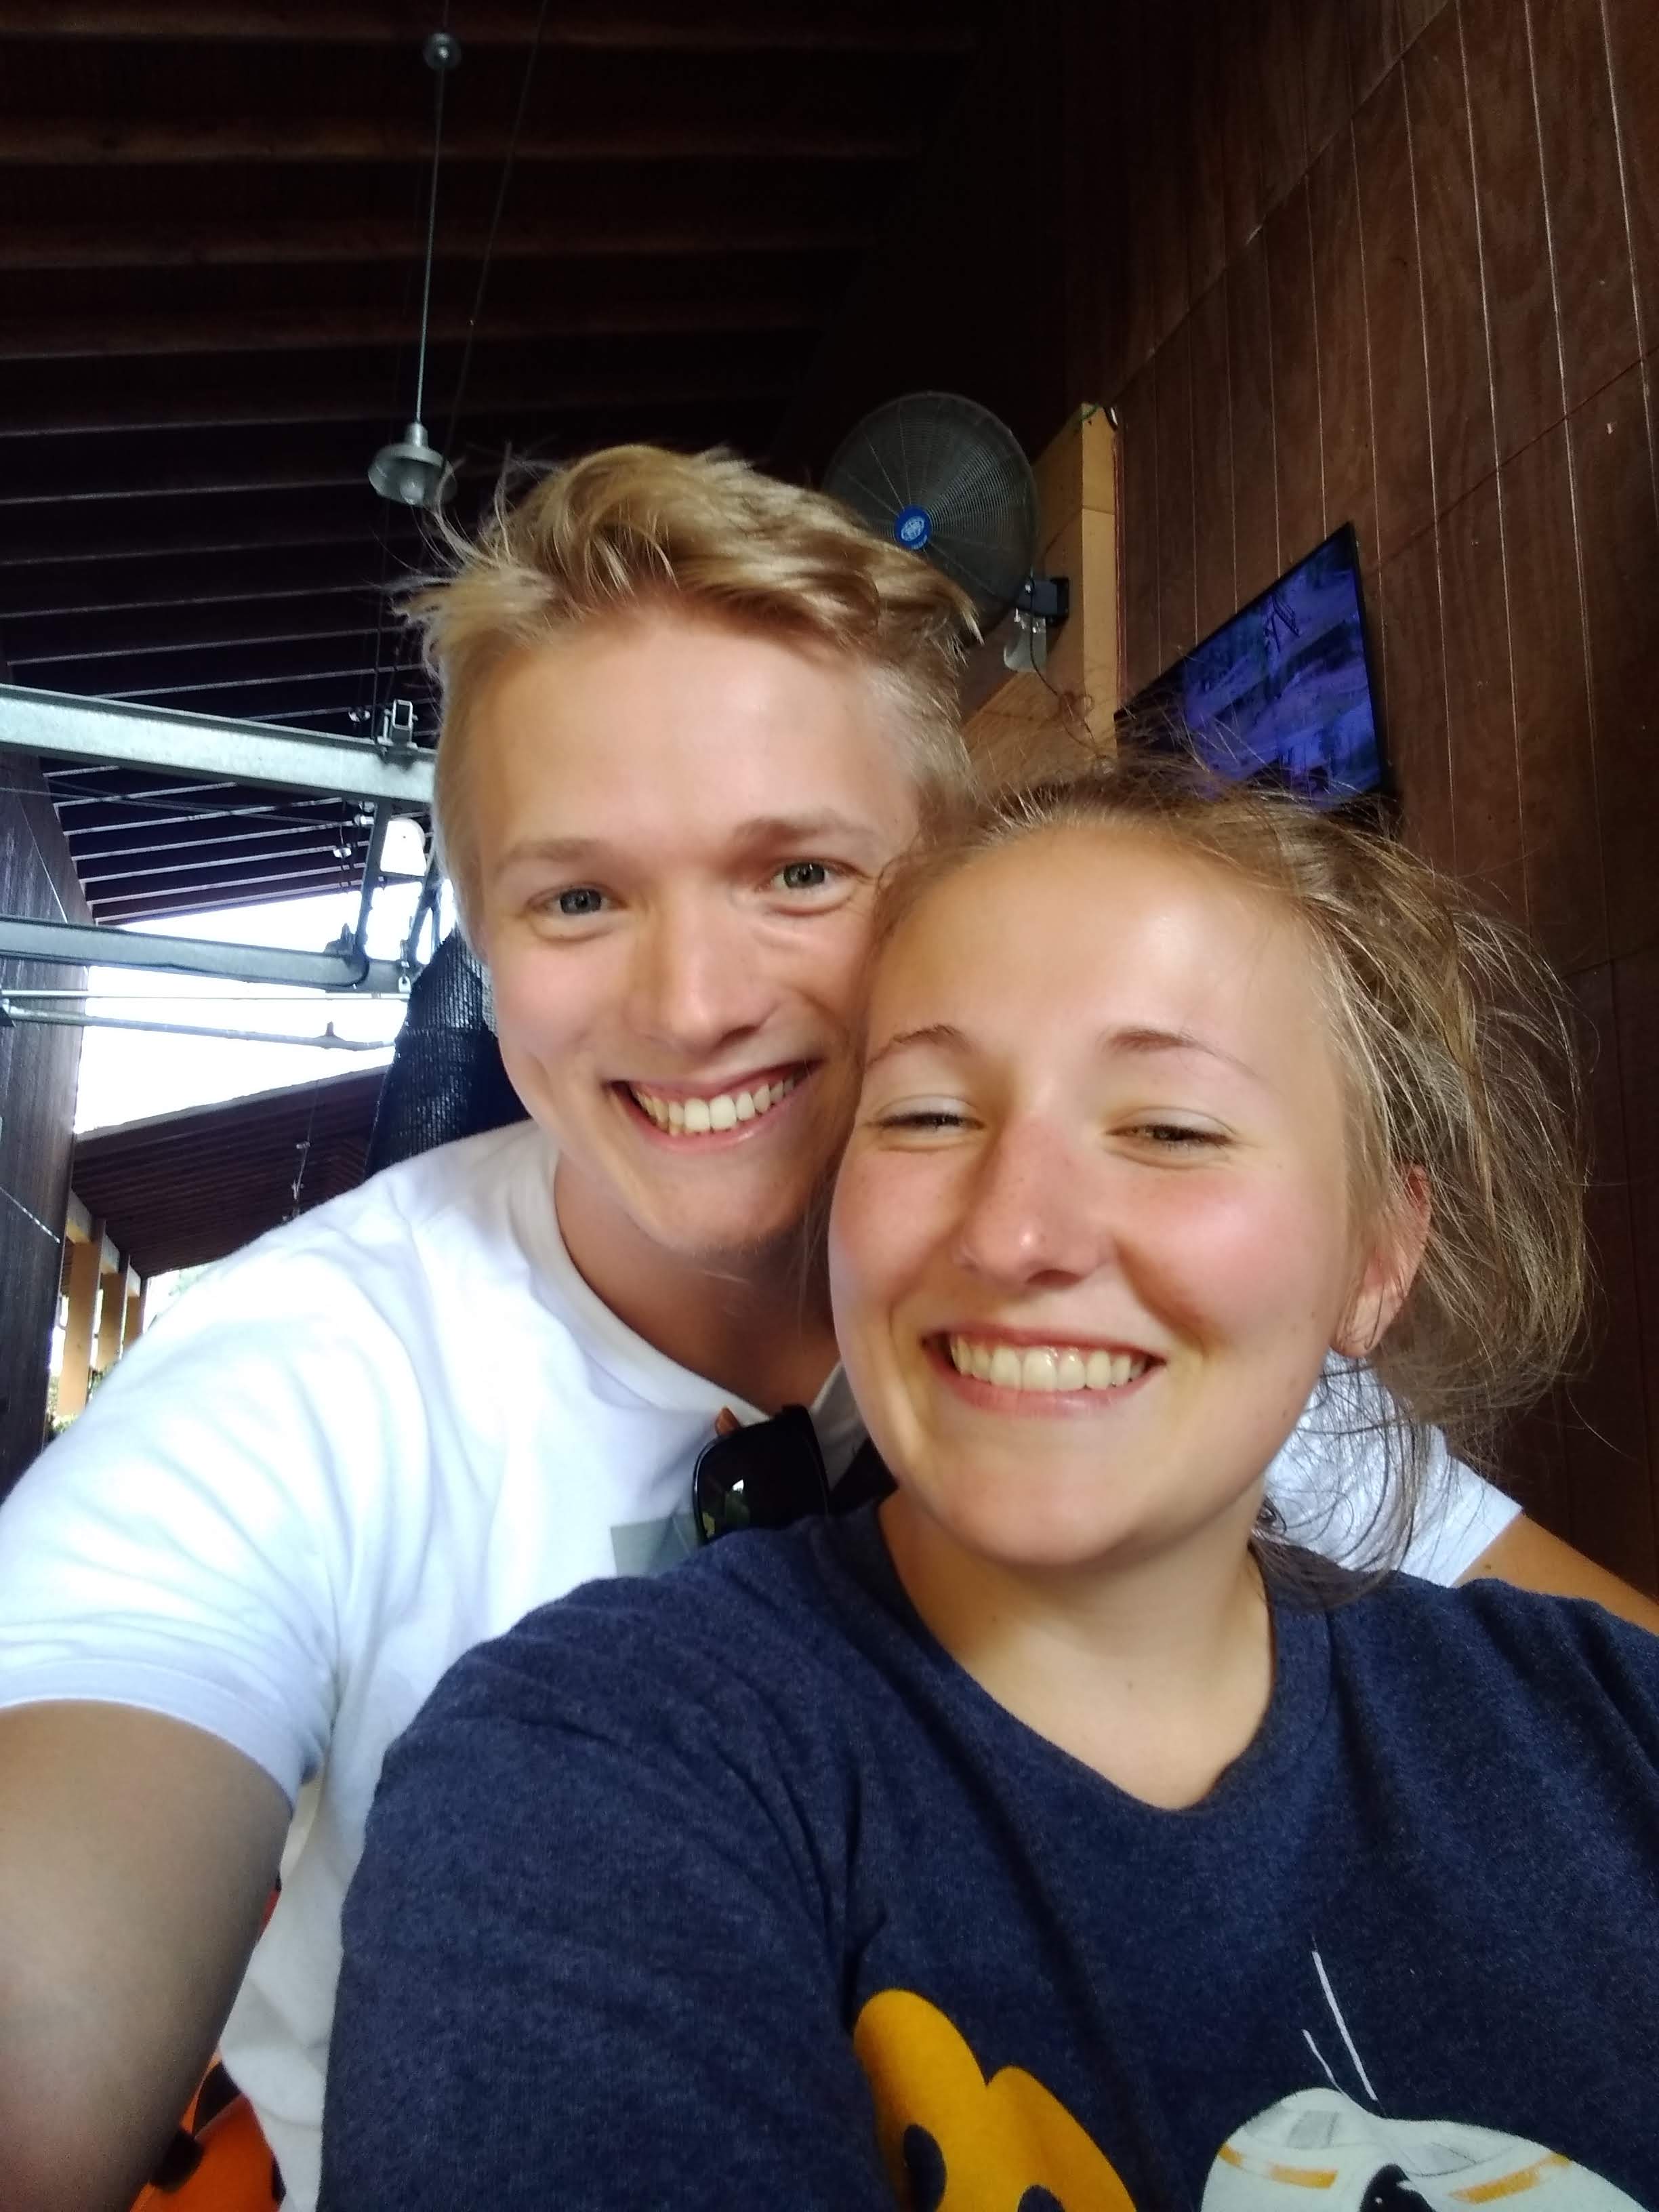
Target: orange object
{"x":233,"y":2170}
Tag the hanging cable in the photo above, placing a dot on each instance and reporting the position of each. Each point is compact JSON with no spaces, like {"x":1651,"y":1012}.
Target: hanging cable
{"x":494,"y":225}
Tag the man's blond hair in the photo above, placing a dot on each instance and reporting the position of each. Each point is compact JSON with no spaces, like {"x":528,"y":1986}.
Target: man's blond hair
{"x":636,"y":526}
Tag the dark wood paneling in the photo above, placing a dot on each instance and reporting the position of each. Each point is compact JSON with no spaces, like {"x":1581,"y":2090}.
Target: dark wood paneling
{"x":1215,"y":563}
{"x":1634,"y":49}
{"x":1373,"y":42}
{"x":1403,"y":298}
{"x":1618,"y":544}
{"x":1586,"y":201}
{"x":1479,"y":699}
{"x":1415,"y":675}
{"x":1566,"y":901}
{"x":1282,"y":125}
{"x":1178,"y":611}
{"x":1606,"y":1436}
{"x":1206,"y":232}
{"x":1298,"y":469}
{"x":1345,"y":387}
{"x":1238,"y":132}
{"x":1250,"y":342}
{"x":1168,"y":61}
{"x":1416,"y":17}
{"x":1137,"y":448}
{"x":1400,"y":399}
{"x":1636,"y":1021}
{"x":1454,"y":308}
{"x":1514,"y":242}
{"x":1327,"y":84}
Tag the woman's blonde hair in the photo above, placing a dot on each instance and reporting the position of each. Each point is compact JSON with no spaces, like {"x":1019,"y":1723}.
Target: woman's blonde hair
{"x":636,"y":526}
{"x":1457,"y":1046}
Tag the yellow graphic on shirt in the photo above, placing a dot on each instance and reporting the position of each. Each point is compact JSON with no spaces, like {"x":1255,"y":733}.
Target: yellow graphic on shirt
{"x":995,"y":2139}
{"x":990,"y":2144}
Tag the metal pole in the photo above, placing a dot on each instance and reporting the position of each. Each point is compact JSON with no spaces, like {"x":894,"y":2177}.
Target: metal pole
{"x":330,"y":1041}
{"x":75,"y":944}
{"x":60,"y":726}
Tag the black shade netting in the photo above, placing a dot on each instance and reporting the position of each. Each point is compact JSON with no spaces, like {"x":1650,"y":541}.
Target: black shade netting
{"x":446,"y":1079}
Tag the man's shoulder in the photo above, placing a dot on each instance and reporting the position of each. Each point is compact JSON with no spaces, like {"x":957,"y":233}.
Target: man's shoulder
{"x":416,"y":1222}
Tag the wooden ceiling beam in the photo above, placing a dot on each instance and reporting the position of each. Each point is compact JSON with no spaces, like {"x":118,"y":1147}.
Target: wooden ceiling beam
{"x":147,"y":528}
{"x":758,"y":27}
{"x":101,"y":338}
{"x":52,"y":671}
{"x":56,"y":141}
{"x":161,"y":585}
{"x":87,"y":636}
{"x":516,"y":386}
{"x":220,"y":245}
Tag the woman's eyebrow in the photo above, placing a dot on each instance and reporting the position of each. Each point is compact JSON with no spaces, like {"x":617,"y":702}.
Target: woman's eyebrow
{"x":1138,"y":1039}
{"x":943,"y":1036}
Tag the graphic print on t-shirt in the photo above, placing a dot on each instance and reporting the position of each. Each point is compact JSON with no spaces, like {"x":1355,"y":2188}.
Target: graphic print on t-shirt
{"x":953,"y":2140}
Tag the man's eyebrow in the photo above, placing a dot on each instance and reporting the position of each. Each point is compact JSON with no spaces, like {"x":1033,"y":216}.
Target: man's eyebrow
{"x":760,"y":832}
{"x":802,"y":828}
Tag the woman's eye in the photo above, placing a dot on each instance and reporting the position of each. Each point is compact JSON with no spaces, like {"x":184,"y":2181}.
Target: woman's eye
{"x":803,"y":875}
{"x":576,"y":905}
{"x":1178,"y":1135}
{"x":924,"y":1118}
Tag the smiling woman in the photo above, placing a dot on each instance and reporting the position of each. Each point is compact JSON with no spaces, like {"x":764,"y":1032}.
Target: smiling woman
{"x":1051,"y":1833}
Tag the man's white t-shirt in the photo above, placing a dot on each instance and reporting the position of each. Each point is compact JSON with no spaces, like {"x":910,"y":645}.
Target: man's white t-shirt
{"x":379,"y":1436}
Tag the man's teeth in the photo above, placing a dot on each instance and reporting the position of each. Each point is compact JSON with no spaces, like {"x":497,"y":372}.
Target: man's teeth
{"x":696,"y":1117}
{"x":1044,"y":1367}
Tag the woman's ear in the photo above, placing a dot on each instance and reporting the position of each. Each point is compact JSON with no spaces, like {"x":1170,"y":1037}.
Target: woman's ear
{"x":1396,"y":1255}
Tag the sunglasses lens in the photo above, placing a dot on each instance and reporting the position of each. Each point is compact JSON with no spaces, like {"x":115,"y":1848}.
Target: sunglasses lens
{"x":762,"y":1477}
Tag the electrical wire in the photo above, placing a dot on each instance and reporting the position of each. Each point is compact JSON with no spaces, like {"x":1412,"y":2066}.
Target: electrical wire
{"x":494,"y":225}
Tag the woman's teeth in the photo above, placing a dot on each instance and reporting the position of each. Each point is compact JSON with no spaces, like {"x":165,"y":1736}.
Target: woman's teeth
{"x":1044,"y":1367}
{"x":696,"y":1117}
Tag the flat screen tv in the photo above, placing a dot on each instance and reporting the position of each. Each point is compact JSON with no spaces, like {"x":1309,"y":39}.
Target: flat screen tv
{"x":1283,"y":690}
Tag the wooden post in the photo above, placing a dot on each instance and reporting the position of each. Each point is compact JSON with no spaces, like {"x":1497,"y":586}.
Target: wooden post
{"x":137,"y":1293}
{"x":85,"y":1266}
{"x":1017,"y":727}
{"x":112,"y":1313}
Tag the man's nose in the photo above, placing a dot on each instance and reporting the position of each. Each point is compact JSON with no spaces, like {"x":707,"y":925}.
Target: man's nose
{"x":697,"y":978}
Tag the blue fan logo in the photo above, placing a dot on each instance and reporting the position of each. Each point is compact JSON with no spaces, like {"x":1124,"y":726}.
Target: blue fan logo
{"x":913,"y":526}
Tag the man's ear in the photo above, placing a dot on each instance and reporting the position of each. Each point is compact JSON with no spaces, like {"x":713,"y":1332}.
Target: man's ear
{"x":1396,"y":1255}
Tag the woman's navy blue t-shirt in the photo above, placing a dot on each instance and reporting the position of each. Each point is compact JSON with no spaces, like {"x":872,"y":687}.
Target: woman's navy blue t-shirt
{"x":731,"y":1889}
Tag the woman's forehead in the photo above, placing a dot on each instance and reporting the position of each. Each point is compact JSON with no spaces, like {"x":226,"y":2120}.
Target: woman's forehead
{"x":1106,"y":925}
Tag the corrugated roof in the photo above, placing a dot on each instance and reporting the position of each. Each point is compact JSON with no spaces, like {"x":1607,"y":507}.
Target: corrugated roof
{"x":178,"y":1190}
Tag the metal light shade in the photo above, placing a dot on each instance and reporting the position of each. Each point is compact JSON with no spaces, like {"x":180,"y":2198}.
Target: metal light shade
{"x":412,"y":473}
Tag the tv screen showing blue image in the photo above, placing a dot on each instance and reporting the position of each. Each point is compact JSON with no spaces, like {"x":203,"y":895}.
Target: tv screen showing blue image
{"x":1283,"y":691}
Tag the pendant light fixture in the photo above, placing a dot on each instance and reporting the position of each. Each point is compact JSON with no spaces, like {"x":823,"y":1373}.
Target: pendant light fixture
{"x":412,"y":473}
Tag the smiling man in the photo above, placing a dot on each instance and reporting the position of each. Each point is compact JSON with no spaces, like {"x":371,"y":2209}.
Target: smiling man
{"x":690,"y":716}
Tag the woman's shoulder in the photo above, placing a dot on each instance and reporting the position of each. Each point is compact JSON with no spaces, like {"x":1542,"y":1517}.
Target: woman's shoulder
{"x":1552,"y":1663}
{"x":755,"y":1620}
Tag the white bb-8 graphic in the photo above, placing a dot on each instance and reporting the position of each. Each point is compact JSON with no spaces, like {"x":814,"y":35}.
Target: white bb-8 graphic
{"x":1321,"y":2148}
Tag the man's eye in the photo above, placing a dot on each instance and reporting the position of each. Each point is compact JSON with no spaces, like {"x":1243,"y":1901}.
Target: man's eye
{"x":575,"y":905}
{"x":803,"y":875}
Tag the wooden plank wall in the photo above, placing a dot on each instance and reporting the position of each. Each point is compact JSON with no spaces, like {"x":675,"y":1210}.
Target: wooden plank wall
{"x":1397,"y":262}
{"x":38,"y":1071}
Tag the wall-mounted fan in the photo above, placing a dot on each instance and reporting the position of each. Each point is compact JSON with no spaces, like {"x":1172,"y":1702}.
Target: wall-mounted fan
{"x":943,"y":477}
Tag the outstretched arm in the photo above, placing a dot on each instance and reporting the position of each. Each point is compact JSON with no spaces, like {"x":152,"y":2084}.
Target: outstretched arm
{"x":136,"y":1856}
